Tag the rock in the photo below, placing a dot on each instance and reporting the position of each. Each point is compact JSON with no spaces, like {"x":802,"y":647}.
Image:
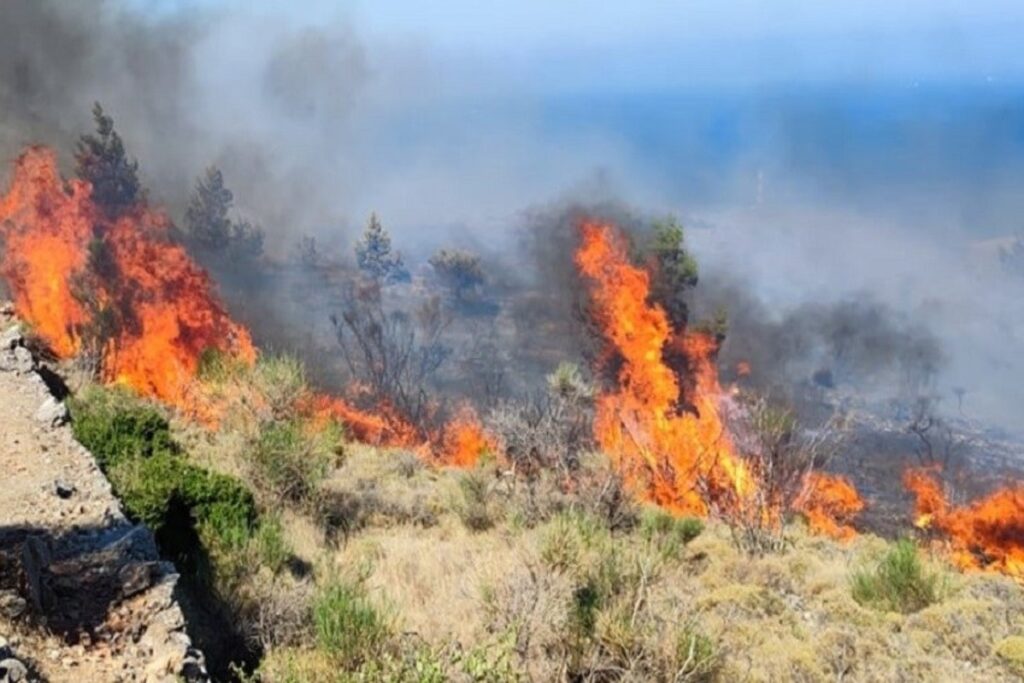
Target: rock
{"x":5,"y":649}
{"x":12,"y":670}
{"x":11,"y":337}
{"x":12,"y":605}
{"x":35,"y":561}
{"x":23,"y":360}
{"x":137,"y":577}
{"x":63,"y":489}
{"x":52,"y":413}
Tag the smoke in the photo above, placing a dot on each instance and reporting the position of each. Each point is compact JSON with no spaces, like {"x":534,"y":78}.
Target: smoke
{"x":840,"y":226}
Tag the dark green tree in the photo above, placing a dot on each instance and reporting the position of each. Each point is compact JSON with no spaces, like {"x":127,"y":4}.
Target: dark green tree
{"x":101,"y":160}
{"x":375,"y":257}
{"x":209,"y":224}
{"x":674,"y":270}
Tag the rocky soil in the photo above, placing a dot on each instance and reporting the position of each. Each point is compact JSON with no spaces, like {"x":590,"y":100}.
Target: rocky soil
{"x":84,"y":595}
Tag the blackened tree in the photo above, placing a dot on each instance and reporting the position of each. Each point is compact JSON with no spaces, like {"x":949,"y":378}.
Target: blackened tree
{"x":101,"y":160}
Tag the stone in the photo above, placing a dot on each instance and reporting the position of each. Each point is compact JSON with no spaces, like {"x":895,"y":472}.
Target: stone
{"x":52,"y":413}
{"x":63,"y":489}
{"x":12,"y":605}
{"x":23,"y":360}
{"x":11,"y":337}
{"x":11,"y":670}
{"x":35,"y":561}
{"x":137,"y":577}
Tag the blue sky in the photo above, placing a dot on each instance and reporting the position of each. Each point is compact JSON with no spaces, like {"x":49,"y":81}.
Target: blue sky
{"x":575,"y":44}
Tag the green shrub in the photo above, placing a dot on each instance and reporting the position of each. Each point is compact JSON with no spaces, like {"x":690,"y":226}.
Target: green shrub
{"x":271,"y":547}
{"x":898,"y":583}
{"x":289,"y":460}
{"x":667,"y":533}
{"x":114,"y":424}
{"x":475,"y":509}
{"x":348,"y":625}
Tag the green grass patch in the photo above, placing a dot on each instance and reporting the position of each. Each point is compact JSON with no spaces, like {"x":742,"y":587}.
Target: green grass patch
{"x":898,"y":583}
{"x":348,"y":626}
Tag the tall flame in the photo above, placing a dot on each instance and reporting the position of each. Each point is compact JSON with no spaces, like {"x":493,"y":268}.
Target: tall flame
{"x":985,"y":534}
{"x":679,"y":459}
{"x":77,"y":273}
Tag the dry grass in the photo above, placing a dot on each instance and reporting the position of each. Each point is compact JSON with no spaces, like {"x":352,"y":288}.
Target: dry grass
{"x":499,"y":603}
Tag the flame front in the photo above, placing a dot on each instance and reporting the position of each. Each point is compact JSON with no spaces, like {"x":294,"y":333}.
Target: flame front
{"x":681,"y":460}
{"x":830,"y":502}
{"x":985,"y":534}
{"x":46,"y":230}
{"x":78,"y":274}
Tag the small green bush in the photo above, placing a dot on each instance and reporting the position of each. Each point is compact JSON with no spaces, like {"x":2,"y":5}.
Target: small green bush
{"x":282,"y":381}
{"x":289,"y":460}
{"x":270,"y":544}
{"x":348,"y":625}
{"x":667,"y":533}
{"x":898,"y":583}
{"x":475,"y":509}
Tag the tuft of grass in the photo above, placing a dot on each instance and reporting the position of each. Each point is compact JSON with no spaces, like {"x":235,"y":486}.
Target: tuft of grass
{"x":697,"y":657}
{"x":348,"y":626}
{"x":898,"y":583}
{"x":669,"y":534}
{"x":270,"y":545}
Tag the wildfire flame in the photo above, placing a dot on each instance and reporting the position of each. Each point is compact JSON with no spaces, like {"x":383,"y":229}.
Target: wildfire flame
{"x":79,"y":275}
{"x":985,"y":534}
{"x":682,"y":459}
{"x":830,"y":502}
{"x":464,"y":440}
{"x":676,"y":458}
{"x":384,"y":427}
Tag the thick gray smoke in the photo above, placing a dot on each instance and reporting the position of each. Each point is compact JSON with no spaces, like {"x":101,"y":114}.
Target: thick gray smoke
{"x":315,"y":124}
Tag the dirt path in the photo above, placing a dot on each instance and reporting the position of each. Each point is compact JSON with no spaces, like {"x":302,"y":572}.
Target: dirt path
{"x":83,"y":595}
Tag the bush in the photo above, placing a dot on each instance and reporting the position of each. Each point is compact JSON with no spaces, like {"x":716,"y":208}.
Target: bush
{"x":475,"y":509}
{"x":290,"y":459}
{"x":348,"y":626}
{"x":899,"y":582}
{"x":271,"y":547}
{"x":281,"y":380}
{"x":113,"y":424}
{"x":667,"y":533}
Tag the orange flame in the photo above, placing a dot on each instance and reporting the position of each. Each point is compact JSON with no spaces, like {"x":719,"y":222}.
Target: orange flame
{"x":385,"y":427}
{"x":464,"y":440}
{"x":985,"y":534}
{"x":75,"y":272}
{"x":46,"y":231}
{"x":830,"y":502}
{"x":678,"y":459}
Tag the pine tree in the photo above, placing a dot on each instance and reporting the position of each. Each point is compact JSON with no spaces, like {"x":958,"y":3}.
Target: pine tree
{"x":211,"y":229}
{"x":207,"y":215}
{"x":375,"y":257}
{"x":101,"y":160}
{"x":675,"y":270}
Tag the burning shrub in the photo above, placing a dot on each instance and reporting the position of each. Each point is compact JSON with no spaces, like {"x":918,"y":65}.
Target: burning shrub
{"x":898,"y":583}
{"x":782,"y":461}
{"x":393,"y":354}
{"x":550,"y":431}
